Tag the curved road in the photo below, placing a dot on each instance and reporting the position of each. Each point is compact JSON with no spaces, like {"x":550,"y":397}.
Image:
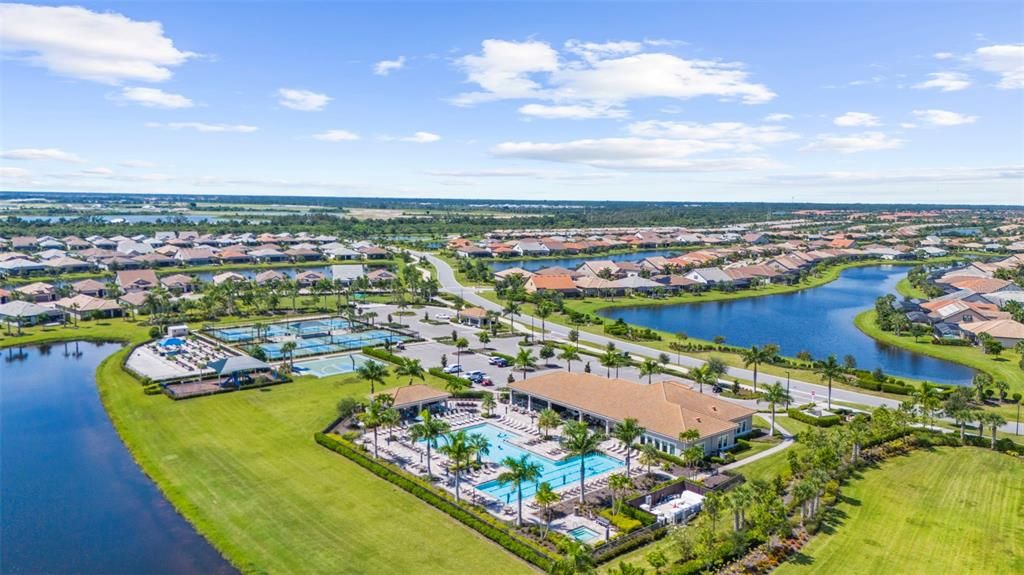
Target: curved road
{"x":801,"y":391}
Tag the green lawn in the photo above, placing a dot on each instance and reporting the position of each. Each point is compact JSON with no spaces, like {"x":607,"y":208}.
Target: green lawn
{"x":942,"y":511}
{"x":244,"y":469}
{"x":906,"y":289}
{"x":1003,"y":367}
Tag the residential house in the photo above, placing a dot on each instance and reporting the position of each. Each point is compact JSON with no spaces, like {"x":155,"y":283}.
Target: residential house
{"x":37,"y":292}
{"x":347,"y":273}
{"x":309,"y":278}
{"x":136,"y":280}
{"x":709,"y":276}
{"x":85,"y":306}
{"x":545,"y":284}
{"x":90,"y":287}
{"x":178,"y":283}
{"x":1006,"y":331}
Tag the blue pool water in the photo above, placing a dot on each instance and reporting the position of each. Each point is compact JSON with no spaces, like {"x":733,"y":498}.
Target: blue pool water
{"x":584,"y":534}
{"x":559,"y":474}
{"x":332,"y":365}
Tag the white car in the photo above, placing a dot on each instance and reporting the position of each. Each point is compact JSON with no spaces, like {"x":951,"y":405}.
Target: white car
{"x":442,"y":316}
{"x":456,"y":368}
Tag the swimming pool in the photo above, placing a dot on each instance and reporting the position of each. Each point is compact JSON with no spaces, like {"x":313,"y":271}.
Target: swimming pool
{"x":558,"y":474}
{"x":332,"y":365}
{"x":584,"y":534}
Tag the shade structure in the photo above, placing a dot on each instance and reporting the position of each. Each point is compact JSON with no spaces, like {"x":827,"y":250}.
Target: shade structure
{"x":237,"y":364}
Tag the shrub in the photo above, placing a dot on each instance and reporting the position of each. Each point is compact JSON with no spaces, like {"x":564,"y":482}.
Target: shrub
{"x":480,"y":522}
{"x":155,"y":331}
{"x":383,"y":355}
{"x":621,"y":522}
{"x":868,"y":384}
{"x":894,"y":388}
{"x":826,"y":421}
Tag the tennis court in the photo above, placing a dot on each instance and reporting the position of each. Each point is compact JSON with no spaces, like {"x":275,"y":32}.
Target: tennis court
{"x":320,"y":345}
{"x":247,"y":333}
{"x":332,"y":365}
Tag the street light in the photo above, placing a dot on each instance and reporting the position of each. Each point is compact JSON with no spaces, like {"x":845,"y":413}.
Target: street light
{"x":787,"y":389}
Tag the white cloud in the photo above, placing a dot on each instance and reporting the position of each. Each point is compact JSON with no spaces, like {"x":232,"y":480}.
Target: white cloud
{"x":302,"y":100}
{"x":945,"y":81}
{"x":525,"y":173}
{"x":385,"y":67}
{"x":204,"y":127}
{"x":421,"y":138}
{"x":639,"y":154}
{"x":598,"y":75}
{"x":14,"y":173}
{"x":942,"y":55}
{"x":854,"y":119}
{"x":965,"y":175}
{"x":777,"y":117}
{"x":908,"y":125}
{"x":336,"y":136}
{"x":943,"y":117}
{"x":155,"y":98}
{"x":55,"y":154}
{"x":1007,"y":60}
{"x":98,"y":171}
{"x":137,"y":164}
{"x":855,"y":143}
{"x":571,"y":112}
{"x":103,"y":47}
{"x":736,"y":135}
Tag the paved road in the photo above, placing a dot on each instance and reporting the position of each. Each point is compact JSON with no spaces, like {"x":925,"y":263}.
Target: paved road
{"x":802,"y":391}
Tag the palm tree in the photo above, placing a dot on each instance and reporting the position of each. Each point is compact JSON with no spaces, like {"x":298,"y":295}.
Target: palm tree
{"x":373,"y":372}
{"x":375,"y":416}
{"x":288,"y":350}
{"x":740,"y":499}
{"x":519,"y":470}
{"x":480,"y":444}
{"x":927,"y":400}
{"x":412,"y":369}
{"x":649,"y":368}
{"x":620,"y":485}
{"x":548,"y":419}
{"x":524,"y":360}
{"x":543,"y":311}
{"x":701,"y":375}
{"x":609,"y":359}
{"x":428,"y":430}
{"x":577,"y":559}
{"x":511,"y":309}
{"x":981,"y":382}
{"x":627,"y":433}
{"x":487,"y":404}
{"x":649,"y":456}
{"x":803,"y":493}
{"x":569,"y":355}
{"x":693,"y":455}
{"x":775,"y":394}
{"x":459,"y":450}
{"x":460,"y":344}
{"x":546,"y":497}
{"x":994,"y":420}
{"x":756,"y":356}
{"x":579,"y":441}
{"x":828,"y":370}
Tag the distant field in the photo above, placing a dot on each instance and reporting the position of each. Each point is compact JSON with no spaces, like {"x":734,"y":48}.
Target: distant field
{"x":947,"y":511}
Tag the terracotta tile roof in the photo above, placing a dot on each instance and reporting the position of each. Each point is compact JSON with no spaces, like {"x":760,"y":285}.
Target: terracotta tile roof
{"x":1001,"y":328}
{"x":551,"y":282}
{"x":667,"y":408}
{"x":411,"y":395}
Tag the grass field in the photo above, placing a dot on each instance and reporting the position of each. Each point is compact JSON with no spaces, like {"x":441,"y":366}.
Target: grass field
{"x":1003,"y":367}
{"x":244,"y":469}
{"x":942,"y":511}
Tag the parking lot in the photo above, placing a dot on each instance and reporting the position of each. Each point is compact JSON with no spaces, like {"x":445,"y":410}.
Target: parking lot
{"x":476,"y":357}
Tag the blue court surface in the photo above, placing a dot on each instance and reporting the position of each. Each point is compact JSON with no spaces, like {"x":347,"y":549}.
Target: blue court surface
{"x":332,"y":365}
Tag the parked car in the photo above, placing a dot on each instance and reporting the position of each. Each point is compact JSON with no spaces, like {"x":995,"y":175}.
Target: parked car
{"x":475,"y":373}
{"x":486,"y":382}
{"x":455,"y":368}
{"x":443,"y":316}
{"x":498,"y":361}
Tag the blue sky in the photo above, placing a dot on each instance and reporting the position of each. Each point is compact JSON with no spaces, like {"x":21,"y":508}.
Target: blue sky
{"x":832,"y":102}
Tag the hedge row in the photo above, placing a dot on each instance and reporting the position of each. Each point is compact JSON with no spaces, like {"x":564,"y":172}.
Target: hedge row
{"x":383,"y":355}
{"x":485,"y":525}
{"x":605,"y":553}
{"x":622,"y":522}
{"x":438,"y":372}
{"x":826,"y":421}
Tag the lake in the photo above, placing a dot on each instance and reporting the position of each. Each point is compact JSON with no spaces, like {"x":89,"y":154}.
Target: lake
{"x":73,"y":499}
{"x":818,"y":320}
{"x":575,"y":261}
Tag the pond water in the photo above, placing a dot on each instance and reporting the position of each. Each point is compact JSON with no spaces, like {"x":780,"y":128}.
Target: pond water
{"x":72,"y":498}
{"x":575,"y":261}
{"x":252,"y":273}
{"x":818,"y":320}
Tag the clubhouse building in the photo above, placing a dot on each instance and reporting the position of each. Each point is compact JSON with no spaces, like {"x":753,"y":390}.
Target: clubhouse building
{"x":665,"y":409}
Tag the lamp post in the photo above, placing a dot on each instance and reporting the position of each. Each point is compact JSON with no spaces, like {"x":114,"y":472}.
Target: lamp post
{"x":787,"y":388}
